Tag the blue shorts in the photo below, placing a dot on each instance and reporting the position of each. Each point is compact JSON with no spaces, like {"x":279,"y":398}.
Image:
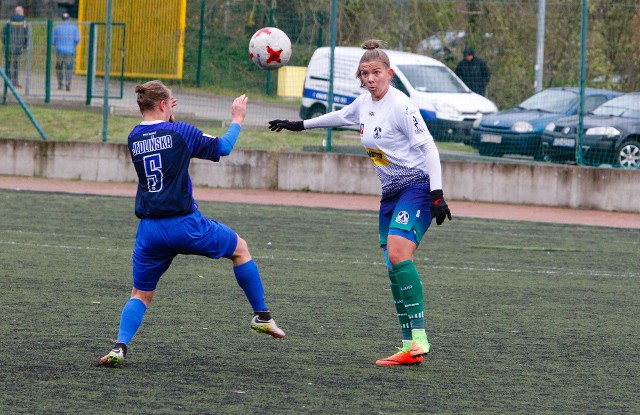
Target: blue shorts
{"x":406,"y":213}
{"x":158,"y":241}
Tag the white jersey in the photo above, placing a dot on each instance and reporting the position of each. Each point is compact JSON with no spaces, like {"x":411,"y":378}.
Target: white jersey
{"x":394,"y":136}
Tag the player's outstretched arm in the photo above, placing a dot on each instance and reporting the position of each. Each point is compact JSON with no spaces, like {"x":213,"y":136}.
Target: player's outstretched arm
{"x":238,"y":112}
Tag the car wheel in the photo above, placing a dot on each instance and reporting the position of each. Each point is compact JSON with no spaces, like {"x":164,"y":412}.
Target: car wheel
{"x":316,"y":111}
{"x":628,"y":156}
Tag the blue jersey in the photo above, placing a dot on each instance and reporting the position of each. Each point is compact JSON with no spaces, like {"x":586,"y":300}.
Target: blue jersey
{"x":161,"y":153}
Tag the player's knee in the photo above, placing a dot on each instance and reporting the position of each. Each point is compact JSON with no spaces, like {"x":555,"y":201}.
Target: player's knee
{"x":144,"y":296}
{"x":241,"y":254}
{"x":396,"y":257}
{"x":400,"y":250}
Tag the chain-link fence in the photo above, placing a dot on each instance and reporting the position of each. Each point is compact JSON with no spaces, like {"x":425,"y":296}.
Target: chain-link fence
{"x":545,"y":61}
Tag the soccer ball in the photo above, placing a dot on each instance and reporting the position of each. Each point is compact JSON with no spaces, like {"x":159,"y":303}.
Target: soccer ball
{"x":270,"y":48}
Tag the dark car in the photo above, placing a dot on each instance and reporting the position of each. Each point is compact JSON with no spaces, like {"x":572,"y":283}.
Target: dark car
{"x":519,"y":130}
{"x":611,"y":135}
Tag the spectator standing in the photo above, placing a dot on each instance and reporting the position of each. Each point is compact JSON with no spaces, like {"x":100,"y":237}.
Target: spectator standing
{"x":15,"y":38}
{"x":66,"y":37}
{"x":473,"y":71}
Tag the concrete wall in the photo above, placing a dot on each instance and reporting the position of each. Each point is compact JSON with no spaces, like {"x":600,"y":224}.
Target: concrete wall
{"x":544,"y":184}
{"x":535,"y":184}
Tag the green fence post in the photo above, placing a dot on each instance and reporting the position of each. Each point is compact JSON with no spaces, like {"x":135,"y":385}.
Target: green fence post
{"x":47,"y":80}
{"x":7,"y":61}
{"x":269,"y":71}
{"x":583,"y":76}
{"x":90,"y":62}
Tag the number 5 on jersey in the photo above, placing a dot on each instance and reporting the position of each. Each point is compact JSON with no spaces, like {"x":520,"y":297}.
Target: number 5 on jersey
{"x":153,"y":171}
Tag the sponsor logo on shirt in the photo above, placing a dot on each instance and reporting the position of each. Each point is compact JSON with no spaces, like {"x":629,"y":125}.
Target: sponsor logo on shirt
{"x":416,"y":124}
{"x":377,"y":157}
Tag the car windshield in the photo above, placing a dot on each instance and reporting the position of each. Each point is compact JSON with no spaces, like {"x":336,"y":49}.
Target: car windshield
{"x":625,"y":106}
{"x":426,"y":78}
{"x":550,"y":100}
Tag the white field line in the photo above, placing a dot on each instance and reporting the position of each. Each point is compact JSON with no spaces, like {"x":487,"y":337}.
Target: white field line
{"x":466,"y":268}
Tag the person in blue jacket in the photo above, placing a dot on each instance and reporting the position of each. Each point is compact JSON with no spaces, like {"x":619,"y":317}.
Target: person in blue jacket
{"x":65,"y":39}
{"x":170,"y":222}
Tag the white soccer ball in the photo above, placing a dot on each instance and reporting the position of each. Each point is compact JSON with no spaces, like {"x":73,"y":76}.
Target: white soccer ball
{"x":270,"y":48}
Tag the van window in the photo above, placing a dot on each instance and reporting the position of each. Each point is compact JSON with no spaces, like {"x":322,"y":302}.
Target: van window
{"x":397,"y":83}
{"x":425,"y":78}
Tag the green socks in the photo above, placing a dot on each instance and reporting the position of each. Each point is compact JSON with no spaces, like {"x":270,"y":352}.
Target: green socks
{"x":410,"y":290}
{"x":403,"y":319}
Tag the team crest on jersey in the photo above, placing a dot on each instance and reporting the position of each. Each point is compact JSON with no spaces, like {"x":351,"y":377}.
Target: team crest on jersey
{"x":403,"y":217}
{"x":376,"y":133}
{"x":416,"y":124}
{"x":377,"y":157}
{"x":361,"y":128}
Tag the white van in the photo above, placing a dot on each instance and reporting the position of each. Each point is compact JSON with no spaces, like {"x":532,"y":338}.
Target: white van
{"x":448,"y":107}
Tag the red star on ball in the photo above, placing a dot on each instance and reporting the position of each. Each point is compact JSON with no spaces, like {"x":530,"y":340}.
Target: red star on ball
{"x":274,"y":55}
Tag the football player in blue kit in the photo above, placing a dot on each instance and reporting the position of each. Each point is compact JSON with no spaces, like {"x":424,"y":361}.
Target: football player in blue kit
{"x":407,"y":163}
{"x":170,"y":222}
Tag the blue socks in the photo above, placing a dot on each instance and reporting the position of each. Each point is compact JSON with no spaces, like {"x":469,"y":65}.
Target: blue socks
{"x":246,"y":274}
{"x":249,"y":280}
{"x":130,"y":320}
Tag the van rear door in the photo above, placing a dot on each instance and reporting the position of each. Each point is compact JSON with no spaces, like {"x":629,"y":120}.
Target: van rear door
{"x":316,"y":87}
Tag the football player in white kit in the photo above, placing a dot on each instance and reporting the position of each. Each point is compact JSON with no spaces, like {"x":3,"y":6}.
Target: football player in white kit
{"x":407,"y":163}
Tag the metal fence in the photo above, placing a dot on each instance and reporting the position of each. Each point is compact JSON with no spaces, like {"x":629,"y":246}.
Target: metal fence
{"x":578,"y":46}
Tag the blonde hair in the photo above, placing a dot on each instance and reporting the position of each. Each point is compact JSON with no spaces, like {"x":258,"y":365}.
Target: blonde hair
{"x":373,"y":53}
{"x":150,"y":93}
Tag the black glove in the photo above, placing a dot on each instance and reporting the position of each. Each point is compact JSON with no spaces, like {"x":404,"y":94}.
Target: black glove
{"x":439,"y":208}
{"x":279,"y":125}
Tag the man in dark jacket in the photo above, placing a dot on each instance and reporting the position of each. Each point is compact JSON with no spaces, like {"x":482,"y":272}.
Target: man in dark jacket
{"x":14,"y":38}
{"x":473,"y":71}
